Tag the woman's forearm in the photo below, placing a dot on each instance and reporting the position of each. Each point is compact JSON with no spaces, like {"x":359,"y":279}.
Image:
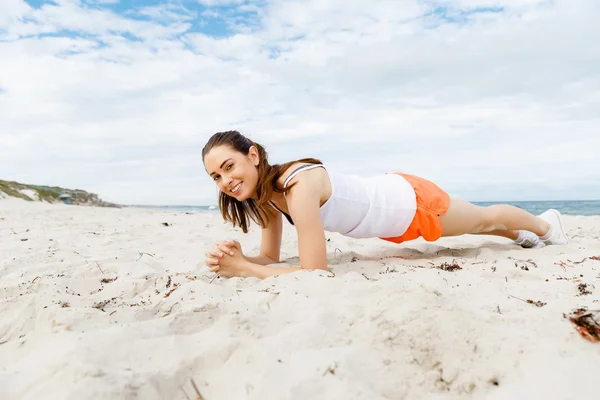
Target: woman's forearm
{"x":264,"y":271}
{"x":262,"y":260}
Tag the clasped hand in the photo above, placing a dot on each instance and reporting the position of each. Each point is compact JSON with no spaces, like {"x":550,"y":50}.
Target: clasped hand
{"x":226,"y":259}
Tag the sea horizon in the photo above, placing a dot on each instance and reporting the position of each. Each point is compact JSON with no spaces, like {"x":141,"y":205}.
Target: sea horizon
{"x":566,"y":207}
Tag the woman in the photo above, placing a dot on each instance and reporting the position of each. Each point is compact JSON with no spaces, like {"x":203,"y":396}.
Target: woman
{"x":394,"y":207}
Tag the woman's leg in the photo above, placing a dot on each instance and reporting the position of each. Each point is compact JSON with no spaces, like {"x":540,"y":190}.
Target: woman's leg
{"x":463,"y":217}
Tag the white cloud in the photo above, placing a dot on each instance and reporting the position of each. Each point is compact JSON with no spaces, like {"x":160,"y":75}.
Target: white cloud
{"x":166,"y":13}
{"x":501,"y":105}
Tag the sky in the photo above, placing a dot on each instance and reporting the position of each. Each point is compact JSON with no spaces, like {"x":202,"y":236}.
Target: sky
{"x":492,"y":100}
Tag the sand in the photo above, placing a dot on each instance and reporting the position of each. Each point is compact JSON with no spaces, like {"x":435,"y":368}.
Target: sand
{"x":102,"y":303}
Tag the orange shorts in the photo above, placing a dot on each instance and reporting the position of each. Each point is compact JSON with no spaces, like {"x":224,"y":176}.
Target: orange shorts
{"x":431,"y":203}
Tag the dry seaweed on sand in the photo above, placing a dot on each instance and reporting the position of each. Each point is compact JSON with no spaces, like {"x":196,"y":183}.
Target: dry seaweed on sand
{"x":449,"y":266}
{"x":523,"y":263}
{"x":388,"y":270}
{"x":536,"y":303}
{"x":175,"y":286}
{"x":586,"y":323}
{"x":101,"y":304}
{"x":583,"y":289}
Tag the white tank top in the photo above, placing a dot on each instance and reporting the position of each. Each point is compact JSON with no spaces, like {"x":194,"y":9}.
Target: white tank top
{"x":380,"y":206}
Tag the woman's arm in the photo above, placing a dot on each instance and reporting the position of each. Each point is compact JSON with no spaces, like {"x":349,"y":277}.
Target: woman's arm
{"x":265,"y":271}
{"x":270,"y":243}
{"x":233,"y":263}
{"x":304,"y":204}
{"x":261,"y":260}
{"x":303,"y":201}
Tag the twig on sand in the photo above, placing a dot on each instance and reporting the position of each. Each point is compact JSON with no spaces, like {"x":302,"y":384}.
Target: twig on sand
{"x":184,"y":393}
{"x":595,"y":258}
{"x":535,"y":303}
{"x":35,"y":279}
{"x":341,"y":255}
{"x":169,"y":310}
{"x":563,"y":265}
{"x":213,"y":278}
{"x":196,"y":390}
{"x":99,"y":267}
{"x":330,"y":370}
{"x":142,"y":253}
{"x":172,"y":290}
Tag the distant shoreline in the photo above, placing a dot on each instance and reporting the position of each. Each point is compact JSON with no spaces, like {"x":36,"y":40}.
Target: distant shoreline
{"x":567,"y":207}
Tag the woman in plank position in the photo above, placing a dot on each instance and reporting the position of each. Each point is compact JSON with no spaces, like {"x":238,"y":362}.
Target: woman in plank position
{"x":395,"y":207}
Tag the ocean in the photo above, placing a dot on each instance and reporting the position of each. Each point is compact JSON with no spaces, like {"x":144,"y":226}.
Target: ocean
{"x":566,"y":207}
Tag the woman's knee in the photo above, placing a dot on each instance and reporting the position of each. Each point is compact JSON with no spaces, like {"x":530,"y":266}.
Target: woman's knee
{"x":492,"y":219}
{"x":467,"y":218}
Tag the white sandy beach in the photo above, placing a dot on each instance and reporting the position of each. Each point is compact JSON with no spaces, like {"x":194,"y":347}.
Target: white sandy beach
{"x":101,"y":303}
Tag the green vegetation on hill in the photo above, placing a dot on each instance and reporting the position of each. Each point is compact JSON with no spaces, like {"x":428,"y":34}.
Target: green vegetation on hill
{"x":51,"y":194}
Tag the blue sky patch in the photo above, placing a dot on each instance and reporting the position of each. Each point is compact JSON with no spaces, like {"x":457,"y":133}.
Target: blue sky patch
{"x":38,"y":3}
{"x":214,"y":21}
{"x":444,"y":14}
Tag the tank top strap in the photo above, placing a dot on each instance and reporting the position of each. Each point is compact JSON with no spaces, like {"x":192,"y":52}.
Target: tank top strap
{"x":300,"y":169}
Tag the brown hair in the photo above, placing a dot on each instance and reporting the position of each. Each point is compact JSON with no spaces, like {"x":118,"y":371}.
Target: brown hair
{"x":235,"y":211}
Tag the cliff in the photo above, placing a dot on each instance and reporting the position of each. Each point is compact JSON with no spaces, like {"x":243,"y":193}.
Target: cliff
{"x":51,"y":194}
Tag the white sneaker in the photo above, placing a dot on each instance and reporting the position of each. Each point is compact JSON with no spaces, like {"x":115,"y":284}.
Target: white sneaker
{"x":529,"y":240}
{"x":556,"y":235}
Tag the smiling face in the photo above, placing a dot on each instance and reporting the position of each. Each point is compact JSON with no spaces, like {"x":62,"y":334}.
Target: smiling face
{"x":235,"y":173}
